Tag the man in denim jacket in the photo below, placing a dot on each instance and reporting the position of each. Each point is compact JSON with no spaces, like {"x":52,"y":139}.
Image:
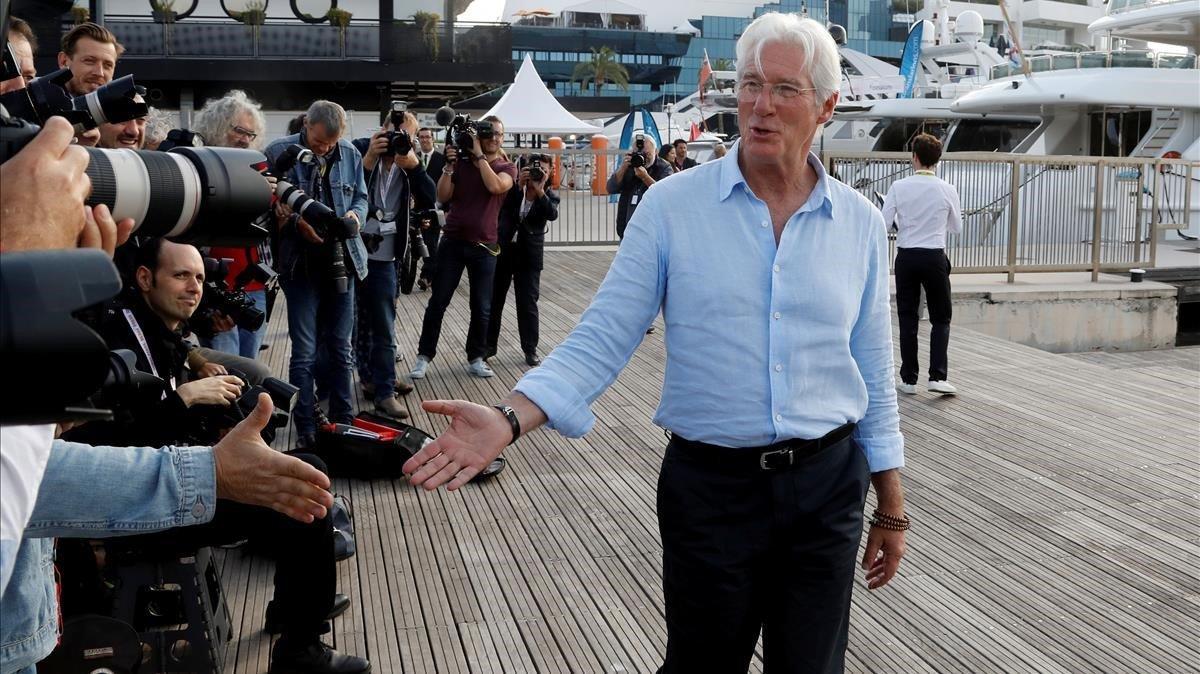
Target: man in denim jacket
{"x":159,"y":489}
{"x":337,"y":181}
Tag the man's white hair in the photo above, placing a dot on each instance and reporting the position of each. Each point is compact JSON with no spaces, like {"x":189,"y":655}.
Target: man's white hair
{"x":217,"y":117}
{"x":822,"y":63}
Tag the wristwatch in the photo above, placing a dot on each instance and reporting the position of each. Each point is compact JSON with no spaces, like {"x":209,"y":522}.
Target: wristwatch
{"x":511,"y":414}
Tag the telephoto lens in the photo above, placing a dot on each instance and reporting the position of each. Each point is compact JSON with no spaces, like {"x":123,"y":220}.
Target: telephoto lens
{"x":199,"y":195}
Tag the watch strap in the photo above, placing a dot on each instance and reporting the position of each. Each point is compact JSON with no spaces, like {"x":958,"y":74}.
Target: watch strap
{"x":511,"y":414}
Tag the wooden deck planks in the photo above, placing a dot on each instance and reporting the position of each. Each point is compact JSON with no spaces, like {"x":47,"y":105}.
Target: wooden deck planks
{"x":1054,"y":504}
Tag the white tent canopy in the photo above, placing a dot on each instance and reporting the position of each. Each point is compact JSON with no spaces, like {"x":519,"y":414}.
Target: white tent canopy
{"x":529,"y":107}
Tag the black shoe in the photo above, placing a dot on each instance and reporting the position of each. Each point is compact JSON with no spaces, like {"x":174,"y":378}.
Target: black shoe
{"x":272,"y":624}
{"x":422,"y":284}
{"x":314,"y":658}
{"x":650,"y":330}
{"x":532,"y":359}
{"x":320,"y":417}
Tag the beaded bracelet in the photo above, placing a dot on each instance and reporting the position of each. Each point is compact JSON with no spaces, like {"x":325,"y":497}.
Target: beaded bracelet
{"x":891,"y":522}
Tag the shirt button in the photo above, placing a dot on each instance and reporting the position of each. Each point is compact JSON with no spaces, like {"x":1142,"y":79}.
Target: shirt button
{"x":764,"y":223}
{"x":776,"y":268}
{"x":778,"y":417}
{"x":779,"y":368}
{"x":778,"y":315}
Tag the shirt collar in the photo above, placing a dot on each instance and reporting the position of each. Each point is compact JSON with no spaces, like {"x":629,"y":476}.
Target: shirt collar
{"x":731,"y":177}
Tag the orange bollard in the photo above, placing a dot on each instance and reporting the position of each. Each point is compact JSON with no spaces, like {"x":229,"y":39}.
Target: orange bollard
{"x":556,"y":143}
{"x":600,"y":174}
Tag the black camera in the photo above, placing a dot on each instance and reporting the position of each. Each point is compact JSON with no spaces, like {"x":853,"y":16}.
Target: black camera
{"x":320,"y":217}
{"x":180,"y":138}
{"x":638,"y":156}
{"x":45,"y":97}
{"x":538,"y":165}
{"x":461,"y":130}
{"x":399,"y":142}
{"x":200,"y":195}
{"x":214,"y":419}
{"x":219,"y":298}
{"x":420,"y":219}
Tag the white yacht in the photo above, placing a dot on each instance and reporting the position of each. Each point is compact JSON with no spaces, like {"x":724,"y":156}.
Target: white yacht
{"x":1117,"y":102}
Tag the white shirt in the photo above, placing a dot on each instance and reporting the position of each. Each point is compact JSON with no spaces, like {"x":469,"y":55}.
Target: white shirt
{"x":386,"y":183}
{"x":24,"y":451}
{"x":923,"y":207}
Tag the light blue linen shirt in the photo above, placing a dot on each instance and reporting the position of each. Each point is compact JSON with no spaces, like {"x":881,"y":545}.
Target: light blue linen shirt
{"x":764,"y":342}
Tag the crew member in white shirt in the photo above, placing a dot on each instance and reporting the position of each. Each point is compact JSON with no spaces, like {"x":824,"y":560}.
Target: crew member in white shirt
{"x":923,"y":208}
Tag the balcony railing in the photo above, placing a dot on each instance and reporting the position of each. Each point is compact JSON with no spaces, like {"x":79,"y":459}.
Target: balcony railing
{"x":224,"y":38}
{"x":1097,"y":59}
{"x":1118,"y":6}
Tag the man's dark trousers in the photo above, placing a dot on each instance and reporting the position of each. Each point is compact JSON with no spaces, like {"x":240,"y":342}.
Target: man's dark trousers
{"x":927,"y":268}
{"x":453,"y":256}
{"x":375,"y":327}
{"x":513,"y":267}
{"x":746,"y":549}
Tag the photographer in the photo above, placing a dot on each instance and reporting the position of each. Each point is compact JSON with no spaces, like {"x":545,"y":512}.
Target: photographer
{"x":682,"y":160}
{"x":433,"y":162}
{"x":473,"y":183}
{"x":169,"y":284}
{"x":24,"y":45}
{"x":128,"y":135}
{"x":396,"y":179}
{"x":234,"y":120}
{"x":631,"y":181}
{"x":522,"y":231}
{"x":314,"y":266}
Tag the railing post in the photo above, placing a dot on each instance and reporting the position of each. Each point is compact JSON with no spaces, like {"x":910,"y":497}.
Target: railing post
{"x":1097,"y":219}
{"x":1156,"y":187}
{"x":1014,"y":218}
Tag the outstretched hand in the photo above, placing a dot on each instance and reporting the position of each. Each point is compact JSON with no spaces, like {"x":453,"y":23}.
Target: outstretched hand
{"x":475,"y":437}
{"x":248,"y":471}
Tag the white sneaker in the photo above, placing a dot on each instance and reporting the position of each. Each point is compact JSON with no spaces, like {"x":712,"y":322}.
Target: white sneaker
{"x":479,"y":368}
{"x":943,"y":387}
{"x":419,"y":368}
{"x":910,"y":389}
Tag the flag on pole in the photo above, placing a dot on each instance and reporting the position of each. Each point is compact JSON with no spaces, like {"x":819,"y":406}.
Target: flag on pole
{"x":695,"y":134}
{"x":705,"y":74}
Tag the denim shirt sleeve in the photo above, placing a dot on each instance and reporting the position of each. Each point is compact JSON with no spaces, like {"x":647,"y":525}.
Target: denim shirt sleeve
{"x":610,"y":330}
{"x":113,"y":491}
{"x":878,"y":432}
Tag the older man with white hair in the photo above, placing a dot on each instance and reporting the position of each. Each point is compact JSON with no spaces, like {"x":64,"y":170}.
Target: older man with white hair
{"x":778,"y":392}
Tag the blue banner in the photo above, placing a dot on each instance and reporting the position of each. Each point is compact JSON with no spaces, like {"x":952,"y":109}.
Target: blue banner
{"x":910,"y":61}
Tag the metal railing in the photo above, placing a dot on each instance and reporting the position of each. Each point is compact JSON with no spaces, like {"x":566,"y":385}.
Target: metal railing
{"x":587,"y":215}
{"x":1127,"y":58}
{"x":1026,"y":213}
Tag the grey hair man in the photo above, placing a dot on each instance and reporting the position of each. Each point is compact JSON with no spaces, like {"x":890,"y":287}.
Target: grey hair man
{"x":631,"y":181}
{"x":158,"y":125}
{"x":233,"y":120}
{"x":778,"y":389}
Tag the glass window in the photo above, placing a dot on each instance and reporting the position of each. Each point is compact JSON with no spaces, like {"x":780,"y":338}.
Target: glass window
{"x":896,"y":135}
{"x":985,"y":135}
{"x":1116,"y":134}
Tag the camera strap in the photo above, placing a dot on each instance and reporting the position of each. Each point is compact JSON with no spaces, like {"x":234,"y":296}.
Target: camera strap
{"x":141,"y":338}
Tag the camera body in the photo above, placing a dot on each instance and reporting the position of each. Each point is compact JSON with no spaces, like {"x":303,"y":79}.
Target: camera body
{"x":420,"y":219}
{"x":461,"y":130}
{"x":215,"y":418}
{"x":324,"y":221}
{"x":638,"y":157}
{"x":399,"y":141}
{"x":47,"y":97}
{"x":217,"y":297}
{"x":538,"y":165}
{"x":180,"y":138}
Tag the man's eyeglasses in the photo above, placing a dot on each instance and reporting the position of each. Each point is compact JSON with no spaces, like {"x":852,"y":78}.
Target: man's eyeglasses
{"x":749,"y":90}
{"x":245,"y":133}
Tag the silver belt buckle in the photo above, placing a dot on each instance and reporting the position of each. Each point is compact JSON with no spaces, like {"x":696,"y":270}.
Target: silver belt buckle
{"x":765,"y":456}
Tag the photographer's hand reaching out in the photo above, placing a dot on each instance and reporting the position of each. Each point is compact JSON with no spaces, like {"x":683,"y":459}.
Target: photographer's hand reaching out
{"x":248,"y":471}
{"x":219,"y":390}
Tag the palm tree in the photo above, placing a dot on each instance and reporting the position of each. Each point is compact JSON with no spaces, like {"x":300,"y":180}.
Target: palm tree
{"x":723,"y":64}
{"x":603,"y":67}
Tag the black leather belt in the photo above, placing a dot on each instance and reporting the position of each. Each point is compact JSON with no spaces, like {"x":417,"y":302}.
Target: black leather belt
{"x":779,"y":456}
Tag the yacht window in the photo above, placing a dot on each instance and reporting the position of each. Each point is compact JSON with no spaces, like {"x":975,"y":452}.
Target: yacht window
{"x":849,"y":68}
{"x":988,"y":135}
{"x":896,"y":135}
{"x":1117,"y":133}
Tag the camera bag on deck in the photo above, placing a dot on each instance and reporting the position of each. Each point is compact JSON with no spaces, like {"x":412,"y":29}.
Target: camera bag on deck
{"x":375,"y":446}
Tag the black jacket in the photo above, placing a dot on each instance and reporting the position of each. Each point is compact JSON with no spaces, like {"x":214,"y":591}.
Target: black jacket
{"x":632,"y":186}
{"x":525,"y":238}
{"x":437,"y":162}
{"x":152,"y":422}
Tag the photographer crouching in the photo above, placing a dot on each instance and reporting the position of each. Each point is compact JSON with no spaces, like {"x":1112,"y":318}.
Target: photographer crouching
{"x":640,"y":168}
{"x":476,"y":178}
{"x":315,"y":267}
{"x":396,"y":179}
{"x":147,"y":321}
{"x":522,"y":232}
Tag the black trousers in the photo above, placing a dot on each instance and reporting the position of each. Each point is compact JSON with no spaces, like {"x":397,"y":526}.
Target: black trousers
{"x":927,"y":268}
{"x":514,"y":268}
{"x":746,"y":550}
{"x":453,"y":256}
{"x":305,"y":574}
{"x":429,"y":264}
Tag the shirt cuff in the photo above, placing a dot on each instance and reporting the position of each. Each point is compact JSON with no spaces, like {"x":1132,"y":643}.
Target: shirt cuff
{"x":883,"y":452}
{"x":566,"y":411}
{"x":197,"y":470}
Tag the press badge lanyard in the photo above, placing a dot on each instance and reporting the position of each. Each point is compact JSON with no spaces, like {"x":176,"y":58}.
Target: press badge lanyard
{"x":141,"y":338}
{"x":926,"y":173}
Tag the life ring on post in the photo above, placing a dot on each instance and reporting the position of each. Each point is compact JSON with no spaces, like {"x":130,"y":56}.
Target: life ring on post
{"x":1169,"y":154}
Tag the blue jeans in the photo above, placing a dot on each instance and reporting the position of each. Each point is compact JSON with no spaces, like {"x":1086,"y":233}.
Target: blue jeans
{"x":304,"y":300}
{"x":375,"y":343}
{"x":238,"y":341}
